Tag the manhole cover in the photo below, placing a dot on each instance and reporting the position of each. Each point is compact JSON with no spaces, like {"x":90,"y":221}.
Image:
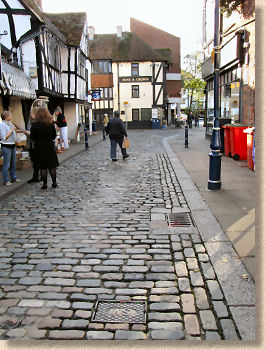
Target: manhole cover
{"x":180,"y":219}
{"x":120,"y":311}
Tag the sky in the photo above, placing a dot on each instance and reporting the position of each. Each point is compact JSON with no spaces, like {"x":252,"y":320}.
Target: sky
{"x":182,"y":18}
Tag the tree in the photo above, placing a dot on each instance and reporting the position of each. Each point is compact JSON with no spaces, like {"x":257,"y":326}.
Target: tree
{"x":229,"y":6}
{"x":192,"y":82}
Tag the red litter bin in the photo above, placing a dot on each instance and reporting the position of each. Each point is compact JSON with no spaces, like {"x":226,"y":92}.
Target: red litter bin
{"x":227,"y":142}
{"x":250,"y":133}
{"x":238,"y":142}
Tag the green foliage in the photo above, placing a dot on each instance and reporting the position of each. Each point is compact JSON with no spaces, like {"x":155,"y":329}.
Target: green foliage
{"x":191,"y":80}
{"x":229,"y":6}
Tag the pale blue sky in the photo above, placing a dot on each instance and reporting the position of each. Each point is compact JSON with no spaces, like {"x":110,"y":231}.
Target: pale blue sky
{"x":182,"y":18}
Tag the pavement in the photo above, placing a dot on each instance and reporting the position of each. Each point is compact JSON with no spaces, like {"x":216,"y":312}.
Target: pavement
{"x":96,"y":258}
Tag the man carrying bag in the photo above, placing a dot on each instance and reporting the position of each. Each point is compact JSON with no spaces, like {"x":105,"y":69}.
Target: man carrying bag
{"x":116,"y":131}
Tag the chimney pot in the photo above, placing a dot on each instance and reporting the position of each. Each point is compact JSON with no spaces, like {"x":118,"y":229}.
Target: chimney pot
{"x":119,"y":31}
{"x":91,"y":33}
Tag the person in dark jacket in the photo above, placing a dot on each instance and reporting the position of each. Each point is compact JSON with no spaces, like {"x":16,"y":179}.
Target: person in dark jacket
{"x":43,"y":133}
{"x":116,"y":131}
{"x":62,"y":125}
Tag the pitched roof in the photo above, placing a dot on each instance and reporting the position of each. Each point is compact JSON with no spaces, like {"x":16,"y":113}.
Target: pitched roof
{"x":36,"y":10}
{"x":70,"y":24}
{"x":128,"y":48}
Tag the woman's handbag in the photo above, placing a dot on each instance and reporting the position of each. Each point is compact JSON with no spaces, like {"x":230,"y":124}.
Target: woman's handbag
{"x":21,"y":139}
{"x":126,"y":143}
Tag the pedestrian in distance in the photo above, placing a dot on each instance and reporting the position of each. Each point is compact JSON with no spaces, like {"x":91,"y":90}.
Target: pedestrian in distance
{"x":62,"y":125}
{"x":8,"y":147}
{"x":104,"y":124}
{"x":116,"y":131}
{"x":43,"y":133}
{"x":196,"y":120}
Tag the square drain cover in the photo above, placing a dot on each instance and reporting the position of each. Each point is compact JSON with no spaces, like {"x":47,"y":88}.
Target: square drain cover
{"x":180,"y":219}
{"x":120,"y":311}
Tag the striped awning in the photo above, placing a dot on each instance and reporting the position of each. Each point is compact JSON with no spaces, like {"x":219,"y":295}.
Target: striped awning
{"x":16,"y":82}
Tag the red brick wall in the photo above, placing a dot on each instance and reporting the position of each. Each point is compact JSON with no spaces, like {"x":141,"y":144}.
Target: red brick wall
{"x":101,"y":80}
{"x":173,"y":88}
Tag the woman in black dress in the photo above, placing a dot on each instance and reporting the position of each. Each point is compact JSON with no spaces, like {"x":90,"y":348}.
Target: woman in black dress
{"x":43,"y":134}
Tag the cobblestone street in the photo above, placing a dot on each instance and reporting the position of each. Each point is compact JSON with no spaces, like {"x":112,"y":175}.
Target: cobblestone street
{"x":104,"y":235}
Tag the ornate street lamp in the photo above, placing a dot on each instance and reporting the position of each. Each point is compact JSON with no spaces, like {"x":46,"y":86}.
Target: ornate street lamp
{"x":214,"y":182}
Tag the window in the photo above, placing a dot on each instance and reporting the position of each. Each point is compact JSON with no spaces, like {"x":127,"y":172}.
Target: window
{"x":54,"y":53}
{"x":135,"y":114}
{"x":82,"y":65}
{"x":106,"y":93}
{"x":101,"y":67}
{"x":135,"y":91}
{"x":135,"y":69}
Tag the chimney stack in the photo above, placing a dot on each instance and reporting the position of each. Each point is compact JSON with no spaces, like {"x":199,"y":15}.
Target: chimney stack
{"x":119,"y":31}
{"x":91,"y":33}
{"x":39,"y":3}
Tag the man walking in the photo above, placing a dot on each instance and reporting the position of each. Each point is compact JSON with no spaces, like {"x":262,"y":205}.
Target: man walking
{"x":104,"y":124}
{"x":62,"y":125}
{"x":116,"y":131}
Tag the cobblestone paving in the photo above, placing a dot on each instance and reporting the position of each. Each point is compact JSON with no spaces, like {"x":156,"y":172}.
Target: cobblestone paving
{"x":103,"y":235}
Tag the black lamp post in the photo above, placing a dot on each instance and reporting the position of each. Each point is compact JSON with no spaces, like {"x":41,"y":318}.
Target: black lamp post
{"x":214,"y":182}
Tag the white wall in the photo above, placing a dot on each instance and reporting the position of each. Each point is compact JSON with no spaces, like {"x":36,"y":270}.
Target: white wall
{"x":70,"y":114}
{"x":28,"y":51}
{"x":145,"y":89}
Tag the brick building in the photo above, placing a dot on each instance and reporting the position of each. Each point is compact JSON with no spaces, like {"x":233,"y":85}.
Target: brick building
{"x":237,"y":65}
{"x":160,"y":40}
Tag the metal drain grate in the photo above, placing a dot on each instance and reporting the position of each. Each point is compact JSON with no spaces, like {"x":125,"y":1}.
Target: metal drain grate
{"x":181,"y":219}
{"x":120,"y":311}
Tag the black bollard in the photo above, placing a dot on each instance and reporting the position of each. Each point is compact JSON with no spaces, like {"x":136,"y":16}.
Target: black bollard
{"x":86,"y":139}
{"x":186,"y":136}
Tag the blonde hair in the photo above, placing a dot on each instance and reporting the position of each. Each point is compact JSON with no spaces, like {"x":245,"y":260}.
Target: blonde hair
{"x":58,"y":110}
{"x":43,"y":116}
{"x":5,"y":114}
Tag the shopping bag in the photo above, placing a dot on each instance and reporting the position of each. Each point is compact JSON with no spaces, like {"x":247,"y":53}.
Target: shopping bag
{"x":126,"y":143}
{"x":21,"y":139}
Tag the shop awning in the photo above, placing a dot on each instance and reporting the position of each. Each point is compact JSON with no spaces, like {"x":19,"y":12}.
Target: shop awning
{"x":16,"y":82}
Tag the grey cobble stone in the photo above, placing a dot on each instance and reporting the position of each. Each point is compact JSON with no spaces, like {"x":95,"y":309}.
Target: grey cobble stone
{"x":163,"y":306}
{"x":215,"y":290}
{"x":49,"y":323}
{"x":167,"y":334}
{"x":181,"y":269}
{"x":164,"y":316}
{"x":88,"y":283}
{"x":129,"y":335}
{"x":208,"y":271}
{"x":229,"y":330}
{"x":208,"y":320}
{"x":220,"y":309}
{"x":196,"y":279}
{"x":165,"y":325}
{"x":75,"y":324}
{"x":211,"y":335}
{"x":201,"y":299}
{"x":99,"y":335}
{"x":184,"y":285}
{"x":160,"y":276}
{"x":68,"y":335}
